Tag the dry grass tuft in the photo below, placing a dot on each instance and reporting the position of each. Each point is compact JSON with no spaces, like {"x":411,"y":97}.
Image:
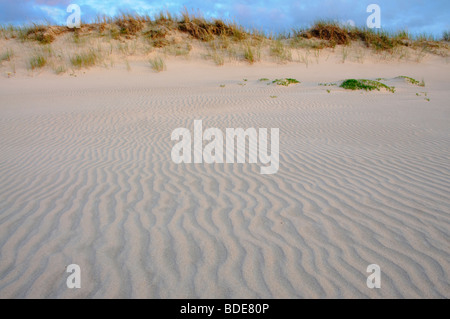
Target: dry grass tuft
{"x":130,"y":25}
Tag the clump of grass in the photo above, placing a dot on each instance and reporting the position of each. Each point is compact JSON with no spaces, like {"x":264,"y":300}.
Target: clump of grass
{"x":222,"y":85}
{"x":328,"y":34}
{"x":60,"y":70}
{"x":157,"y":36}
{"x":84,"y":59}
{"x":217,"y":58}
{"x":38,"y":61}
{"x":280,"y":52}
{"x":157,"y":64}
{"x":285,"y":82}
{"x":201,"y":29}
{"x":413,"y":81}
{"x":328,"y":91}
{"x":76,"y":37}
{"x":250,"y":55}
{"x":329,"y":31}
{"x":367,"y":85}
{"x":40,"y":33}
{"x":114,"y":32}
{"x":129,"y":24}
{"x":263,"y":80}
{"x":378,"y":40}
{"x":6,"y":56}
{"x":273,"y":96}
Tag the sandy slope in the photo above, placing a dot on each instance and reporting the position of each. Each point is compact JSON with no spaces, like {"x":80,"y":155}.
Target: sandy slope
{"x":87,"y":178}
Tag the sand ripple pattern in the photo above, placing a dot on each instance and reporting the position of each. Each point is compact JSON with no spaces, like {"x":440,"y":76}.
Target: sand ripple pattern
{"x":87,"y":178}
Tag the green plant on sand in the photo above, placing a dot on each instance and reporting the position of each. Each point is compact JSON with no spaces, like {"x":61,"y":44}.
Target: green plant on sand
{"x":37,"y":62}
{"x":285,"y":82}
{"x":367,"y":85}
{"x":84,"y":59}
{"x":157,"y":64}
{"x":413,"y":81}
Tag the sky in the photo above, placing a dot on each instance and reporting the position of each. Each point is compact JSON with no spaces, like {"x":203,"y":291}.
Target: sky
{"x":416,"y":16}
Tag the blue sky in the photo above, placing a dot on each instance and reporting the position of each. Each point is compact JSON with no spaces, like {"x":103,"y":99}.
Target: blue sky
{"x":417,"y":16}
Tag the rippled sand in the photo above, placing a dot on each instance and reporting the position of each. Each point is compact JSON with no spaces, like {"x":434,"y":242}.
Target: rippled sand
{"x":87,"y":178}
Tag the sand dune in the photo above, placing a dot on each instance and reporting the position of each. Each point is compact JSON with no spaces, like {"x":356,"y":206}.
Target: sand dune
{"x":87,"y":178}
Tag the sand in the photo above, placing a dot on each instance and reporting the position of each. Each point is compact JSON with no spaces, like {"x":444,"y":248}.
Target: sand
{"x":87,"y":179}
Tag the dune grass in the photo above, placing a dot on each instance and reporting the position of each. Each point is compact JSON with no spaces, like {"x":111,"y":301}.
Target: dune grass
{"x":285,"y":81}
{"x":7,"y":55}
{"x":37,"y":61}
{"x":323,"y":33}
{"x":251,"y":55}
{"x":367,"y":85}
{"x":84,"y":59}
{"x":280,"y":52}
{"x":223,"y":41}
{"x":60,"y":69}
{"x":157,"y":64}
{"x":413,"y":81}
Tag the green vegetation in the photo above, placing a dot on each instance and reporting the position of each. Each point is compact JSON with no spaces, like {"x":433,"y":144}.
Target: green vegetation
{"x":263,"y":80}
{"x":40,"y":33}
{"x":157,"y":64}
{"x":6,"y":56}
{"x":250,"y":55}
{"x":38,"y":61}
{"x":218,"y":58}
{"x":280,"y":52}
{"x":60,"y":70}
{"x":368,"y":85}
{"x":84,"y":59}
{"x":328,"y":34}
{"x":285,"y":82}
{"x":412,"y":81}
